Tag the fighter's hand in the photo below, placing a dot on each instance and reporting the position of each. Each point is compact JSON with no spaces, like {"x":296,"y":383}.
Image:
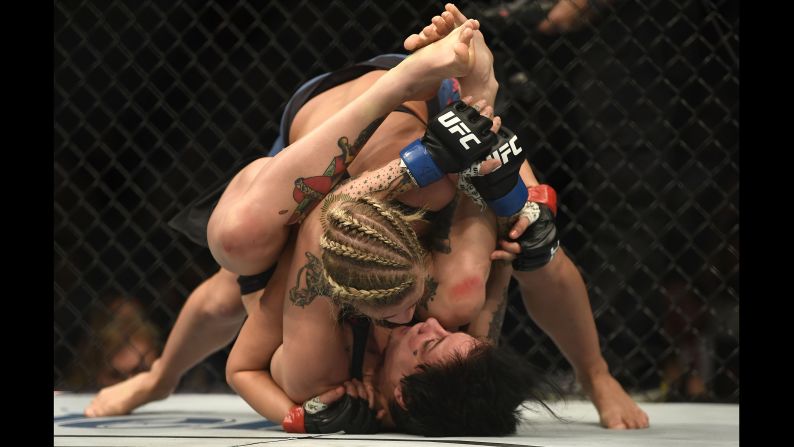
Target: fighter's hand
{"x":365,"y":389}
{"x":479,"y":168}
{"x":339,"y":409}
{"x":533,"y":236}
{"x":455,"y":139}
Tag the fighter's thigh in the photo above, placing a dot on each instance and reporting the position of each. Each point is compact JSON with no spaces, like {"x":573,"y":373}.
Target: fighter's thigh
{"x":242,"y":181}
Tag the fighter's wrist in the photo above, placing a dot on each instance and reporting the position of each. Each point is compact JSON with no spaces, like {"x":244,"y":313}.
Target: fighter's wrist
{"x":479,"y":89}
{"x":419,"y":165}
{"x":586,"y":374}
{"x":294,"y":421}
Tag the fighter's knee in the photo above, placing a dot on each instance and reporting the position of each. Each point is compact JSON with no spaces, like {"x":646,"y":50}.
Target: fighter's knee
{"x":233,"y":235}
{"x":224,"y":308}
{"x":220,"y":297}
{"x":243,"y":239}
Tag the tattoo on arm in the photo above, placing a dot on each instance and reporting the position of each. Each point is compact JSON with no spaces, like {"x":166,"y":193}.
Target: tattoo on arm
{"x":309,"y":191}
{"x":349,"y":151}
{"x":430,"y":291}
{"x":315,"y":284}
{"x":503,"y":226}
{"x":439,"y":231}
{"x":390,"y":178}
{"x":495,"y":327}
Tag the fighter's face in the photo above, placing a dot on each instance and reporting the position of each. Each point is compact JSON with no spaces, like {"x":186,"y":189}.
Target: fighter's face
{"x":427,"y":342}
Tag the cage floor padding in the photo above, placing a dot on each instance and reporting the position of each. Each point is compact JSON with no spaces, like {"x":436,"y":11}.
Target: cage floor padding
{"x":226,"y":420}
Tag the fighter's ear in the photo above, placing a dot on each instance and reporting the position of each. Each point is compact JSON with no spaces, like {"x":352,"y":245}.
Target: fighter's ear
{"x":398,"y":396}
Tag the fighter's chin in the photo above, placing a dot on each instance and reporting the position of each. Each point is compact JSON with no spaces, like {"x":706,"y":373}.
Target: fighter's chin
{"x":398,"y":333}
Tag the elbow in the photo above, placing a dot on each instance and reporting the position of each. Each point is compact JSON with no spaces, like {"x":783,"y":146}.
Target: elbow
{"x":466,"y":298}
{"x":232,"y":375}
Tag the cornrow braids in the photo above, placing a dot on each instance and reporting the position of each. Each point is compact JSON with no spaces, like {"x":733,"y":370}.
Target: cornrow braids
{"x":372,"y":296}
{"x":343,"y":250}
{"x":346,"y":220}
{"x":400,"y":222}
{"x":370,"y":252}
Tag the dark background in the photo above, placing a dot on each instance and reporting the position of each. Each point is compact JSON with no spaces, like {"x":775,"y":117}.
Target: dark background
{"x":633,"y":119}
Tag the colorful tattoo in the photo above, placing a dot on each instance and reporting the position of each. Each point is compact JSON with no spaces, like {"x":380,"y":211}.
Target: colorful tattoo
{"x":315,"y":284}
{"x":310,"y":190}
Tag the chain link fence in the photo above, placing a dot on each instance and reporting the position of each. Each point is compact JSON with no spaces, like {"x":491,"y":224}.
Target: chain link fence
{"x":632,"y":115}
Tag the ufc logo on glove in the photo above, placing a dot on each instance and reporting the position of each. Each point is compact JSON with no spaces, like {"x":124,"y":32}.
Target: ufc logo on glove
{"x":454,"y":139}
{"x":454,"y":125}
{"x":505,"y":150}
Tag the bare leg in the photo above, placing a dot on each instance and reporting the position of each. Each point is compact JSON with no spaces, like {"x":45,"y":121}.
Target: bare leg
{"x":209,"y":320}
{"x":556,"y":298}
{"x":555,"y":295}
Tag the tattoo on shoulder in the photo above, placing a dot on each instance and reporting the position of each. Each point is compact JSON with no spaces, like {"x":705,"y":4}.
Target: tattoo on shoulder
{"x":430,"y":291}
{"x":315,"y":284}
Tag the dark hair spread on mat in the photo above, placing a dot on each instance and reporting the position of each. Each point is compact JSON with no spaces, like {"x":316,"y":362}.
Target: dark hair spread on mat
{"x":480,"y":394}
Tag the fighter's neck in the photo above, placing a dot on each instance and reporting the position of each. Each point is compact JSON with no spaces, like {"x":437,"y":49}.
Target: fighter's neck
{"x":380,"y":338}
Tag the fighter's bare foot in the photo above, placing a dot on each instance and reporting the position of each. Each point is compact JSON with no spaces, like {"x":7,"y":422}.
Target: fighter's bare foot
{"x":128,"y":395}
{"x":439,"y":27}
{"x":616,"y":409}
{"x":480,"y":81}
{"x":451,"y":56}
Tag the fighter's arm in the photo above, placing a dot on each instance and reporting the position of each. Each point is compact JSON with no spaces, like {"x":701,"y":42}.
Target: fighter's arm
{"x":443,"y":148}
{"x":248,"y":365}
{"x":487,"y":324}
{"x":248,"y":372}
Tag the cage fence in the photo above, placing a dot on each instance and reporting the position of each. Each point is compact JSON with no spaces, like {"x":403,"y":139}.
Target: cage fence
{"x":630,"y":111}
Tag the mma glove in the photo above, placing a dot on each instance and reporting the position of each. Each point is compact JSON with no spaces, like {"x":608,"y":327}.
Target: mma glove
{"x":348,"y":414}
{"x":455,"y":138}
{"x":503,"y":190}
{"x":539,"y":242}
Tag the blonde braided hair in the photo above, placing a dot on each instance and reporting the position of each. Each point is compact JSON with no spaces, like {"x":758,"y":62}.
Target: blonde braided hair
{"x":358,"y":271}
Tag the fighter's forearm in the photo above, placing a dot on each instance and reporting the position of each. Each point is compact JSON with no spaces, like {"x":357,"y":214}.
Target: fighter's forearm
{"x":259,"y":390}
{"x":487,"y":324}
{"x":384,"y":183}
